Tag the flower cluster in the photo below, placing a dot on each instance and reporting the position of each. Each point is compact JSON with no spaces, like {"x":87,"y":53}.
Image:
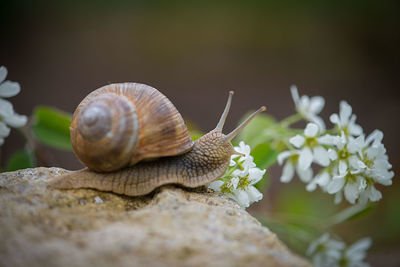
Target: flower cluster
{"x":7,"y":115}
{"x":331,"y":253}
{"x":351,"y":163}
{"x":240,"y":178}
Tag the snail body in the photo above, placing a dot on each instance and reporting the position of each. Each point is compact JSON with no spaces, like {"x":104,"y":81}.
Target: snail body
{"x":194,"y":163}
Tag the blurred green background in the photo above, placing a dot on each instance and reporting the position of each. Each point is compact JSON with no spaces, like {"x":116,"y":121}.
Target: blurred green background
{"x":196,"y":51}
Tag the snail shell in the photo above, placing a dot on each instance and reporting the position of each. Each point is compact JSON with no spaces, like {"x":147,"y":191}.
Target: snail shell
{"x":119,"y":125}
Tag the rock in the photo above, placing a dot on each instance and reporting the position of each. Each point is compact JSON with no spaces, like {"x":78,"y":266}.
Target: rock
{"x":40,"y":226}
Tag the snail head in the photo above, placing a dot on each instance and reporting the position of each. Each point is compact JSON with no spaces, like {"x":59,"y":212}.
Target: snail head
{"x":222,"y":141}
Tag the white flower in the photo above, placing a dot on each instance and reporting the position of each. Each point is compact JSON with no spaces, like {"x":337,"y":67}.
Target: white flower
{"x":370,"y":193}
{"x":325,"y":251}
{"x":376,"y":161}
{"x":240,"y":178}
{"x":346,"y":121}
{"x":7,"y":115}
{"x":216,"y":185}
{"x":244,"y":192}
{"x":360,"y":163}
{"x":352,"y":163}
{"x":7,"y":88}
{"x":243,"y":149}
{"x":311,"y":148}
{"x":292,"y":165}
{"x":328,"y":252}
{"x":356,"y":253}
{"x":309,"y":107}
{"x":321,"y":179}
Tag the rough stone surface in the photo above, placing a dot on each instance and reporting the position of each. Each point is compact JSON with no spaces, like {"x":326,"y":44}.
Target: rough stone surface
{"x":40,"y":226}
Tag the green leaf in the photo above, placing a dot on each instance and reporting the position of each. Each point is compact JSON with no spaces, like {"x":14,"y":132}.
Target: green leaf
{"x":196,"y":135}
{"x":51,"y":127}
{"x":256,"y":132}
{"x":295,"y":200}
{"x":21,"y":159}
{"x":263,"y":183}
{"x":264,"y":155}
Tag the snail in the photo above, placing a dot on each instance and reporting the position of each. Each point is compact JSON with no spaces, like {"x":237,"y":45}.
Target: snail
{"x":133,"y":140}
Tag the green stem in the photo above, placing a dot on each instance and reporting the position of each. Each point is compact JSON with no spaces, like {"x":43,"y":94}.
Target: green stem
{"x":290,"y":120}
{"x":348,"y":214}
{"x":230,"y":171}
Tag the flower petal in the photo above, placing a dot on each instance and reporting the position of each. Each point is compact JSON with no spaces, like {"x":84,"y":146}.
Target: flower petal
{"x":315,"y":244}
{"x":6,"y":108}
{"x":255,"y":175}
{"x":356,"y":164}
{"x":304,"y":175}
{"x":362,"y":184}
{"x":317,"y":120}
{"x":304,"y":105}
{"x":355,"y":129}
{"x":4,"y":130}
{"x":345,"y":112}
{"x":334,"y":118}
{"x":355,"y":145}
{"x":287,"y":172}
{"x":253,"y":194}
{"x":16,"y":120}
{"x":282,"y":156}
{"x":317,"y":104}
{"x":357,"y":251}
{"x":3,"y":73}
{"x":248,"y":162}
{"x":216,"y":185}
{"x":351,"y":192}
{"x":297,"y":140}
{"x":326,"y":139}
{"x":335,"y":185}
{"x":321,"y":179}
{"x":243,"y":148}
{"x":8,"y":89}
{"x":342,"y":168}
{"x":374,"y":195}
{"x":332,"y":154}
{"x":311,"y":130}
{"x":376,"y":136}
{"x":305,"y":158}
{"x":242,"y":198}
{"x":321,"y":156}
{"x":335,"y":245}
{"x":340,"y":141}
{"x":234,"y":182}
{"x":295,"y":94}
{"x":312,"y":185}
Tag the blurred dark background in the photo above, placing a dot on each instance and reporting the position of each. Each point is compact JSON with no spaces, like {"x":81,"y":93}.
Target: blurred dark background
{"x":195,"y":51}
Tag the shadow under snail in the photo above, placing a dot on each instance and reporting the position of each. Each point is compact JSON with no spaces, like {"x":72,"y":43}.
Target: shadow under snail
{"x":133,"y":140}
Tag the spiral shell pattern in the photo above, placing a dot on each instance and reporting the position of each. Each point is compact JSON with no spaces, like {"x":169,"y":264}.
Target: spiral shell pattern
{"x":120,"y":124}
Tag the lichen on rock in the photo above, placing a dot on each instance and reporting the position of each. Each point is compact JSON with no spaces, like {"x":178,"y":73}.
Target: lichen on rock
{"x":41,"y":226}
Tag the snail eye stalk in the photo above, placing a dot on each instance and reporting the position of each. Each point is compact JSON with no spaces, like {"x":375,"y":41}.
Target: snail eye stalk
{"x":238,"y":129}
{"x":221,"y":122}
